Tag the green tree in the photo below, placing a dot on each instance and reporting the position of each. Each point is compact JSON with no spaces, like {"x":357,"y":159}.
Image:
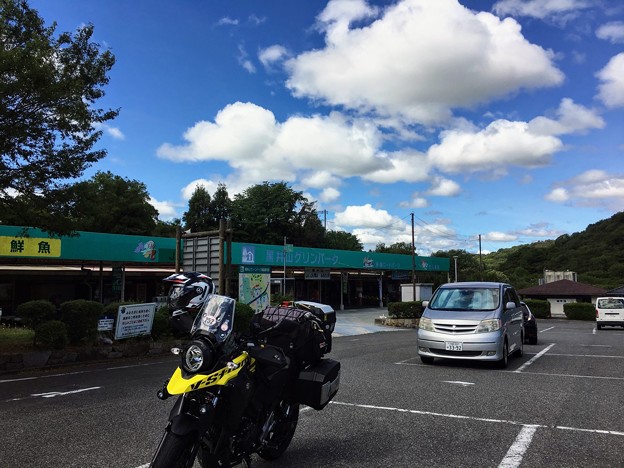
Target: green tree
{"x":403,"y":248}
{"x":49,"y":122}
{"x":166,"y":228}
{"x":266,"y":213}
{"x":342,"y":240}
{"x":113,"y":204}
{"x":220,"y":205}
{"x":468,"y":268}
{"x":198,"y":218}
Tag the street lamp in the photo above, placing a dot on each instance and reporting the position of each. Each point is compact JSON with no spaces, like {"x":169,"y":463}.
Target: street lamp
{"x":455,"y":258}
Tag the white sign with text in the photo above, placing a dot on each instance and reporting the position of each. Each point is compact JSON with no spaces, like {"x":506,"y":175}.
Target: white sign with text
{"x":134,"y":320}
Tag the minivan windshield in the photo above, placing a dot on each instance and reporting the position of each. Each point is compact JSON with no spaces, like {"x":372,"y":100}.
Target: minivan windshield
{"x":465,"y":299}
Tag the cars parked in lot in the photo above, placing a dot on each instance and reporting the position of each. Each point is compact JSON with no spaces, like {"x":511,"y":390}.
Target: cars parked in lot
{"x":609,"y":311}
{"x":530,"y":325}
{"x":471,"y":320}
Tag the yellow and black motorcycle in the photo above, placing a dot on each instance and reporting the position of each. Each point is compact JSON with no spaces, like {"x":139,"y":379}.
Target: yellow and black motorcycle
{"x":240,"y":395}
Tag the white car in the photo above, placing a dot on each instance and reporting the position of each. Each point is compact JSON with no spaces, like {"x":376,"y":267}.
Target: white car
{"x":609,"y":311}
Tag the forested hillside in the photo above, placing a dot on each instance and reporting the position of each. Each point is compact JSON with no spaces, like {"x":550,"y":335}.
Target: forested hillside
{"x":596,"y":254}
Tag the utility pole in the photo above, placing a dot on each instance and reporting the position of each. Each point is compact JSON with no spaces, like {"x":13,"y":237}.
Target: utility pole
{"x":324,"y":219}
{"x":284,"y":281}
{"x":455,"y":258}
{"x":480,"y":260}
{"x":413,"y":262}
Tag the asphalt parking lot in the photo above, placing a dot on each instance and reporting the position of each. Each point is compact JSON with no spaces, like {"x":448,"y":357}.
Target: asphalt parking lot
{"x":560,"y":405}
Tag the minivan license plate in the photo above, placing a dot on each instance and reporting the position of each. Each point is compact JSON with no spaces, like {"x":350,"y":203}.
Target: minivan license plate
{"x":451,"y":346}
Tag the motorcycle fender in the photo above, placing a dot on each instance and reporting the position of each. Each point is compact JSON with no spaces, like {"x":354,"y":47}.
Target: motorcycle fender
{"x":182,"y":423}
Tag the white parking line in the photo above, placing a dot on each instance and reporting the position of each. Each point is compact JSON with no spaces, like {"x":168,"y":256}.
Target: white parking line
{"x":514,"y":455}
{"x":546,"y":329}
{"x":473,"y":418}
{"x":533,"y":359}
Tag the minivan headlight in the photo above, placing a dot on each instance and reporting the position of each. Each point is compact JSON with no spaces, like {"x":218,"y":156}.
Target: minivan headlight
{"x":425,"y":324}
{"x":489,"y":325}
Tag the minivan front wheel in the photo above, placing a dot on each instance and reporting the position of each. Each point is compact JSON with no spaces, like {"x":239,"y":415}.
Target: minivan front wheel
{"x":502,"y":363}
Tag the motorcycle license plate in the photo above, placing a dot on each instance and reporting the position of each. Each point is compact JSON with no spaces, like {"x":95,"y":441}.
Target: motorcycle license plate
{"x":453,"y":346}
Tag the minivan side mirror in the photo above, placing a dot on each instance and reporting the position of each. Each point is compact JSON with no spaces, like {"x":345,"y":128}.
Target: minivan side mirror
{"x":425,"y":303}
{"x":510,"y":305}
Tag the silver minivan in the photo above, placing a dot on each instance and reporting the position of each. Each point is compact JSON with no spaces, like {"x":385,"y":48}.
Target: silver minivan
{"x":475,"y":320}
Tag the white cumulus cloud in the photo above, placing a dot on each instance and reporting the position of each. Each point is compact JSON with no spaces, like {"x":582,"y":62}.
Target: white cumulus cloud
{"x":594,"y":187}
{"x":457,"y":58}
{"x":612,"y":32}
{"x":611,"y":90}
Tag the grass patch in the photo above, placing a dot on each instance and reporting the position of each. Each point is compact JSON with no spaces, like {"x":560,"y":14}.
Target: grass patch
{"x":15,"y":340}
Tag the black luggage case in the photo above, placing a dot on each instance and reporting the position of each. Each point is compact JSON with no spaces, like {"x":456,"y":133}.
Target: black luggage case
{"x":318,"y":384}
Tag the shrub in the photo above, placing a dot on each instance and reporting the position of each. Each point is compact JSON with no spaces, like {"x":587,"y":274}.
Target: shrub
{"x":539,"y":307}
{"x":242,"y":317}
{"x":277,"y":299}
{"x":411,"y":309}
{"x":580,"y":311}
{"x":51,"y":335}
{"x":34,"y":313}
{"x":160,"y":326}
{"x":81,"y":318}
{"x":111,"y":309}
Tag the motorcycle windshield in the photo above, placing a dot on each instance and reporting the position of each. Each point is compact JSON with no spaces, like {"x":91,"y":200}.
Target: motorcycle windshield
{"x":216,"y":317}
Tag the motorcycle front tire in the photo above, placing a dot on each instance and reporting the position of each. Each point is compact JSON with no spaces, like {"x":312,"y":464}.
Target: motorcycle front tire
{"x":282,"y":433}
{"x":175,"y":451}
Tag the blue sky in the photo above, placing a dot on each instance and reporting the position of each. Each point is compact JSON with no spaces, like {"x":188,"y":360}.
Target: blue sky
{"x":495,"y":118}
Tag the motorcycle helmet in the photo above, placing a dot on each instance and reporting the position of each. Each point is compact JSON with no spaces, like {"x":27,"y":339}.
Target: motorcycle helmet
{"x":188,"y":292}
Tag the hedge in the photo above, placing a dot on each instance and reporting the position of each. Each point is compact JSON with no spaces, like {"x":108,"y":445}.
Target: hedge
{"x":51,"y":335}
{"x":34,"y":313}
{"x":81,"y":318}
{"x":580,"y":311}
{"x":412,"y":309}
{"x":160,"y":325}
{"x":539,"y":307}
{"x":242,"y":317}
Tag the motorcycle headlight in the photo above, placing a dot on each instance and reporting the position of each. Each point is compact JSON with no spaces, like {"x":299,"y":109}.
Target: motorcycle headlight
{"x":487,"y":326}
{"x":425,"y":324}
{"x":197,"y":356}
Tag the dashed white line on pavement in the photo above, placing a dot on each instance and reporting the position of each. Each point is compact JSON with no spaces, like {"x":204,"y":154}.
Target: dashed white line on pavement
{"x":516,"y":452}
{"x":533,"y":359}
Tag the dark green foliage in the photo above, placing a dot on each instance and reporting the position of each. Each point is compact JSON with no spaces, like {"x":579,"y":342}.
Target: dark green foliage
{"x":539,"y":307}
{"x":220,"y":205}
{"x":468,"y":266}
{"x":51,"y":335}
{"x":412,"y":309}
{"x":341,"y":240}
{"x":402,"y":248}
{"x":277,"y":299}
{"x":34,"y":313}
{"x":49,"y":125}
{"x":198,"y":217}
{"x":160,"y":325}
{"x":113,"y":204}
{"x":81,"y":318}
{"x":595,"y":254}
{"x":112,"y":309}
{"x":268,"y":212}
{"x":242,"y":317}
{"x":580,"y":311}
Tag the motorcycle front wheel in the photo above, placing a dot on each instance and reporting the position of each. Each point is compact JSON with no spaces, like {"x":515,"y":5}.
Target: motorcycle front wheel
{"x":175,"y":451}
{"x":286,"y":418}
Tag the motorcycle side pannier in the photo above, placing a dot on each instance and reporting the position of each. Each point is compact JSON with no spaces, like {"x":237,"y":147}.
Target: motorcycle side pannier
{"x":317,"y":385}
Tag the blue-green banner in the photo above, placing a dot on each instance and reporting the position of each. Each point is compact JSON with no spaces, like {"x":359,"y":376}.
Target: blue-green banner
{"x":274,"y":255}
{"x":90,"y":246}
